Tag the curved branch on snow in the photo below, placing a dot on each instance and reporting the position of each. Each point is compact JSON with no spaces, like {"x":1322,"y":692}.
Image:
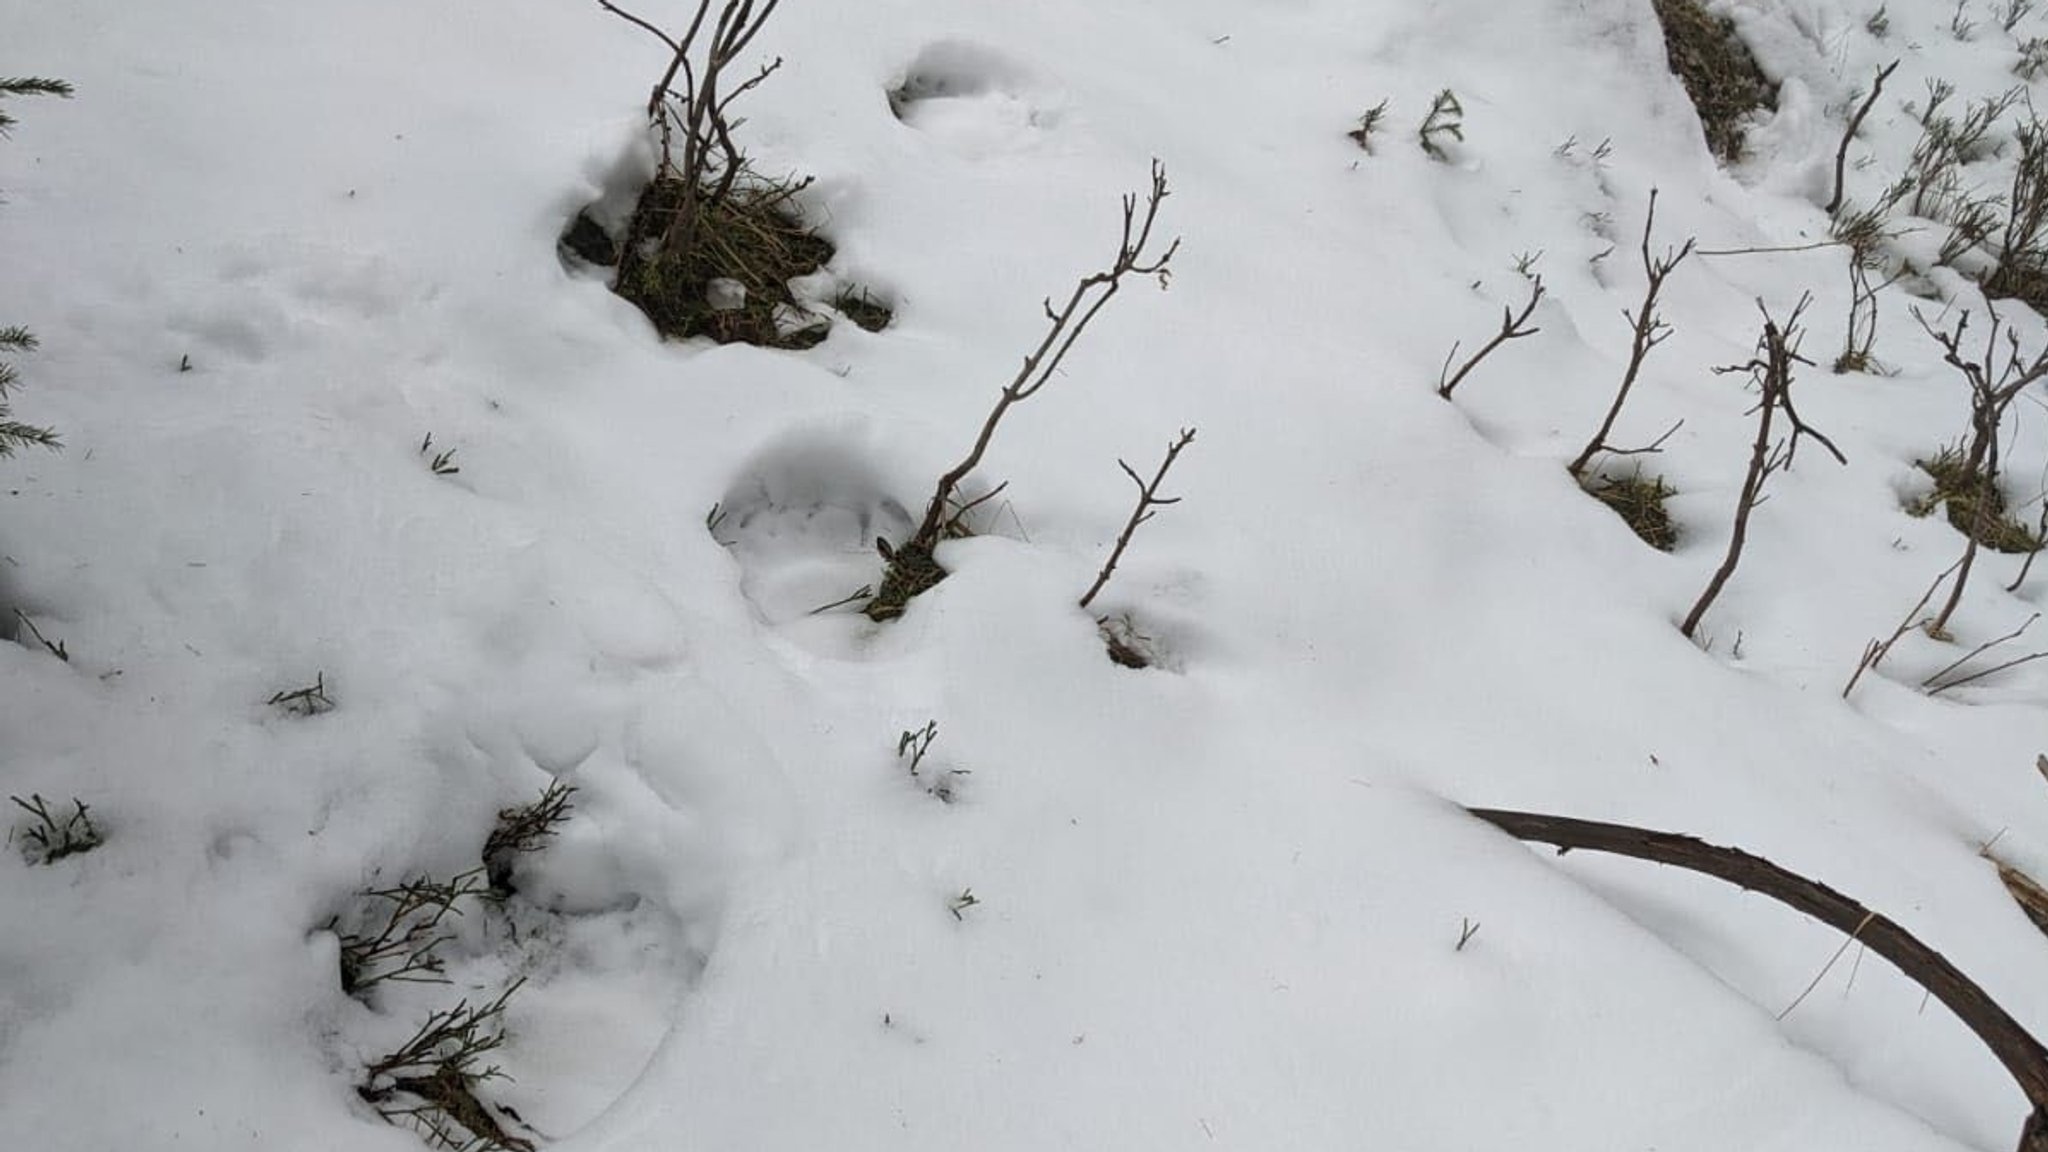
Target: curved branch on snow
{"x":2023,"y":1056}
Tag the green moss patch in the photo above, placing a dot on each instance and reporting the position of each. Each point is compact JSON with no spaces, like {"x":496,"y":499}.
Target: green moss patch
{"x":1976,"y":506}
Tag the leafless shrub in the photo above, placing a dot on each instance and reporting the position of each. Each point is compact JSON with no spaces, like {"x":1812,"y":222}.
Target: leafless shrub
{"x":2022,"y":270}
{"x":524,"y":830}
{"x":1777,"y":351}
{"x":1149,"y":501}
{"x":1650,"y":330}
{"x":430,"y":1082}
{"x":1513,"y":326}
{"x":1368,"y":124}
{"x":1860,"y":336}
{"x":1970,"y":484}
{"x":312,"y":700}
{"x":52,"y":837}
{"x":398,"y":932}
{"x":694,"y":121}
{"x":910,"y":568}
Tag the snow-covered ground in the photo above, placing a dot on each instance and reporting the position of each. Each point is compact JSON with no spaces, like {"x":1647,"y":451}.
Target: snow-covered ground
{"x":269,"y":248}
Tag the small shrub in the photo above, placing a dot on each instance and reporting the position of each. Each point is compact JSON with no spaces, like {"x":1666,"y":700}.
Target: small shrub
{"x":1771,"y":371}
{"x":1639,"y":501}
{"x":915,"y":743}
{"x":2022,"y":271}
{"x":713,"y":244}
{"x":1717,"y":70}
{"x":1446,"y":118}
{"x":439,"y":463}
{"x":751,"y":238}
{"x":1368,"y":124}
{"x":312,"y":700}
{"x":51,"y":838}
{"x":2033,"y":61}
{"x":1960,"y":25}
{"x":910,"y":569}
{"x":959,"y":904}
{"x":430,"y":1082}
{"x":524,"y":830}
{"x":407,"y":938}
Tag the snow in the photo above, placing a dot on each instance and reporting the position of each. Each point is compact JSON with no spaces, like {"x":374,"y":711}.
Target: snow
{"x":1217,"y":901}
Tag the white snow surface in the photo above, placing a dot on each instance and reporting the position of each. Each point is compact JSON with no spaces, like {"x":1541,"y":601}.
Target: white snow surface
{"x":1219,"y":900}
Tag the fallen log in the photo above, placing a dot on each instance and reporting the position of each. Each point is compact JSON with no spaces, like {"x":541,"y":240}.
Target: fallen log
{"x":2023,"y":1056}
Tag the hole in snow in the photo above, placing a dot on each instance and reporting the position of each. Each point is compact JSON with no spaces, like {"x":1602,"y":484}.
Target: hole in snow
{"x":971,"y":96}
{"x":802,"y":519}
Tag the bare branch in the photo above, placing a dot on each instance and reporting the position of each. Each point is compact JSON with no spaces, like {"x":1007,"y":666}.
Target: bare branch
{"x":1777,"y":352}
{"x":1849,"y":133}
{"x":1511,"y":328}
{"x":1874,"y":652}
{"x":1148,"y":499}
{"x":1650,"y":331}
{"x":911,"y":568}
{"x":2021,"y":1054}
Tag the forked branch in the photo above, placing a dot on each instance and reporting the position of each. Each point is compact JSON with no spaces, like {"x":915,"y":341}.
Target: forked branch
{"x":1777,"y":351}
{"x":1149,"y":500}
{"x":910,"y":566}
{"x":1650,"y":330}
{"x":1513,"y":326}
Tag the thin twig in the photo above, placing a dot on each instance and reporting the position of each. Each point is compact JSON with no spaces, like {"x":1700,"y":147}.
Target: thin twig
{"x":1777,"y":352}
{"x":1874,"y":652}
{"x":1511,"y":328}
{"x":1649,"y":330}
{"x":1824,"y":969}
{"x":1148,"y":499}
{"x":1979,"y":650}
{"x":1849,"y":133}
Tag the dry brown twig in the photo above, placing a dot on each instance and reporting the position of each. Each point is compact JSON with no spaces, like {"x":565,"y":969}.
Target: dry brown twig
{"x":1512,"y":327}
{"x":697,"y":118}
{"x":910,"y":567}
{"x":2022,"y":1056}
{"x":1849,"y":133}
{"x":1650,"y":330}
{"x":1874,"y":652}
{"x":1777,"y":351}
{"x":1935,"y":684}
{"x":1149,"y":500}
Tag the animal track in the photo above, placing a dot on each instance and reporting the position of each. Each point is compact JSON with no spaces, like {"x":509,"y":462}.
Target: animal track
{"x":972,"y":98}
{"x":803,"y":517}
